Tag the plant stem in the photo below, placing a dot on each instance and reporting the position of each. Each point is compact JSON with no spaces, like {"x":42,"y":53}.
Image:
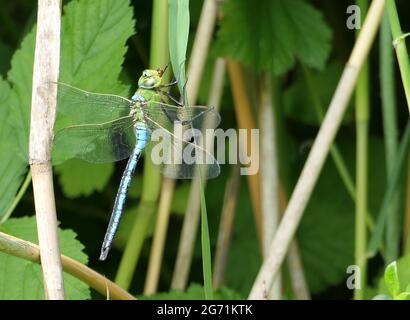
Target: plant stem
{"x":151,"y":184}
{"x":362,"y":145}
{"x":321,"y":146}
{"x":30,"y":251}
{"x":400,"y":46}
{"x":43,"y":110}
{"x":388,"y":96}
{"x":17,"y":198}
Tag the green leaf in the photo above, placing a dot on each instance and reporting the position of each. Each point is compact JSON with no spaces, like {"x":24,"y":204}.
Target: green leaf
{"x":22,"y":279}
{"x":271,"y":34}
{"x":194,"y":292}
{"x":391,"y":279}
{"x":178,"y":39}
{"x":12,"y":168}
{"x":402,"y":296}
{"x":399,"y":278}
{"x":80,"y":178}
{"x":297,"y":102}
{"x":94,"y":34}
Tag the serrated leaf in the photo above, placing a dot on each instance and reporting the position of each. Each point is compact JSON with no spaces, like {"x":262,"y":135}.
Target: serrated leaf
{"x":194,"y":292}
{"x":12,"y":168}
{"x":391,"y":278}
{"x":22,"y":279}
{"x":93,"y":36}
{"x":271,"y":35}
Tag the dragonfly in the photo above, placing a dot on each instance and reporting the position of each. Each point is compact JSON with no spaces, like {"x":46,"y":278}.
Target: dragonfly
{"x":105,"y":128}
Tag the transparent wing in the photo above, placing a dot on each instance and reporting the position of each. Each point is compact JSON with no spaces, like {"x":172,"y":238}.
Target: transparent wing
{"x":180,"y":140}
{"x":96,"y":143}
{"x":76,"y":106}
{"x":165,"y":116}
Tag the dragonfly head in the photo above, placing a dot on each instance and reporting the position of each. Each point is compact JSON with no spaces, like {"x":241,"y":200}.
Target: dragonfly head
{"x":150,"y":79}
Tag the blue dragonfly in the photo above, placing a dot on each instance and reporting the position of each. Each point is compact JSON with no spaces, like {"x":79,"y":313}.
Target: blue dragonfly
{"x":103,"y":128}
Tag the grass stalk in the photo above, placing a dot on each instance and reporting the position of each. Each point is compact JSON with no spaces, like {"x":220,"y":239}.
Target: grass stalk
{"x":269,"y":173}
{"x":318,"y":153}
{"x":362,"y":146}
{"x":151,"y":184}
{"x":387,"y":85}
{"x":43,"y":110}
{"x":400,"y":46}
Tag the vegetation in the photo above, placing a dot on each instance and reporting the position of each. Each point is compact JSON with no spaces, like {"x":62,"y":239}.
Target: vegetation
{"x":281,"y":59}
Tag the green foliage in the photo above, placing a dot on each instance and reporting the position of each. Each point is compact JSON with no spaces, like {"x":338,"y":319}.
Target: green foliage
{"x":297,"y":102}
{"x":396,"y":277}
{"x":272,"y":34}
{"x":178,"y":38}
{"x":194,"y":292}
{"x":22,"y":279}
{"x":82,"y":179}
{"x":12,"y":168}
{"x":93,"y":35}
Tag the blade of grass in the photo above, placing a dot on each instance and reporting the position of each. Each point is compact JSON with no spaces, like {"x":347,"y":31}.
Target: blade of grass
{"x":197,"y":61}
{"x":402,"y":156}
{"x":400,"y":46}
{"x":151,"y":184}
{"x":387,"y":85}
{"x":318,"y":153}
{"x":206,"y":247}
{"x":178,"y":40}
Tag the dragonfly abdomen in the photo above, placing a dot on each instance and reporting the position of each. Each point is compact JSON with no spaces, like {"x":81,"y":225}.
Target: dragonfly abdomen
{"x":143,"y":136}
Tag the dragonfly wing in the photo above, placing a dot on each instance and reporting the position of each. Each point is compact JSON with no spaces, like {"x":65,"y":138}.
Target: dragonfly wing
{"x":96,"y":143}
{"x":76,"y":106}
{"x":165,"y":115}
{"x":184,"y":150}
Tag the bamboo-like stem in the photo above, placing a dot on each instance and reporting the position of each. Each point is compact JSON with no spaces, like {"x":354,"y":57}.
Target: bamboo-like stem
{"x":157,"y":248}
{"x":226,"y":226}
{"x":197,"y":62}
{"x":269,"y":174}
{"x":362,"y":146}
{"x":246,"y":121}
{"x":43,"y":109}
{"x":388,"y":95}
{"x":30,"y":251}
{"x":400,"y":46}
{"x":17,"y":199}
{"x":192,"y":214}
{"x":318,"y":154}
{"x":151,"y":183}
